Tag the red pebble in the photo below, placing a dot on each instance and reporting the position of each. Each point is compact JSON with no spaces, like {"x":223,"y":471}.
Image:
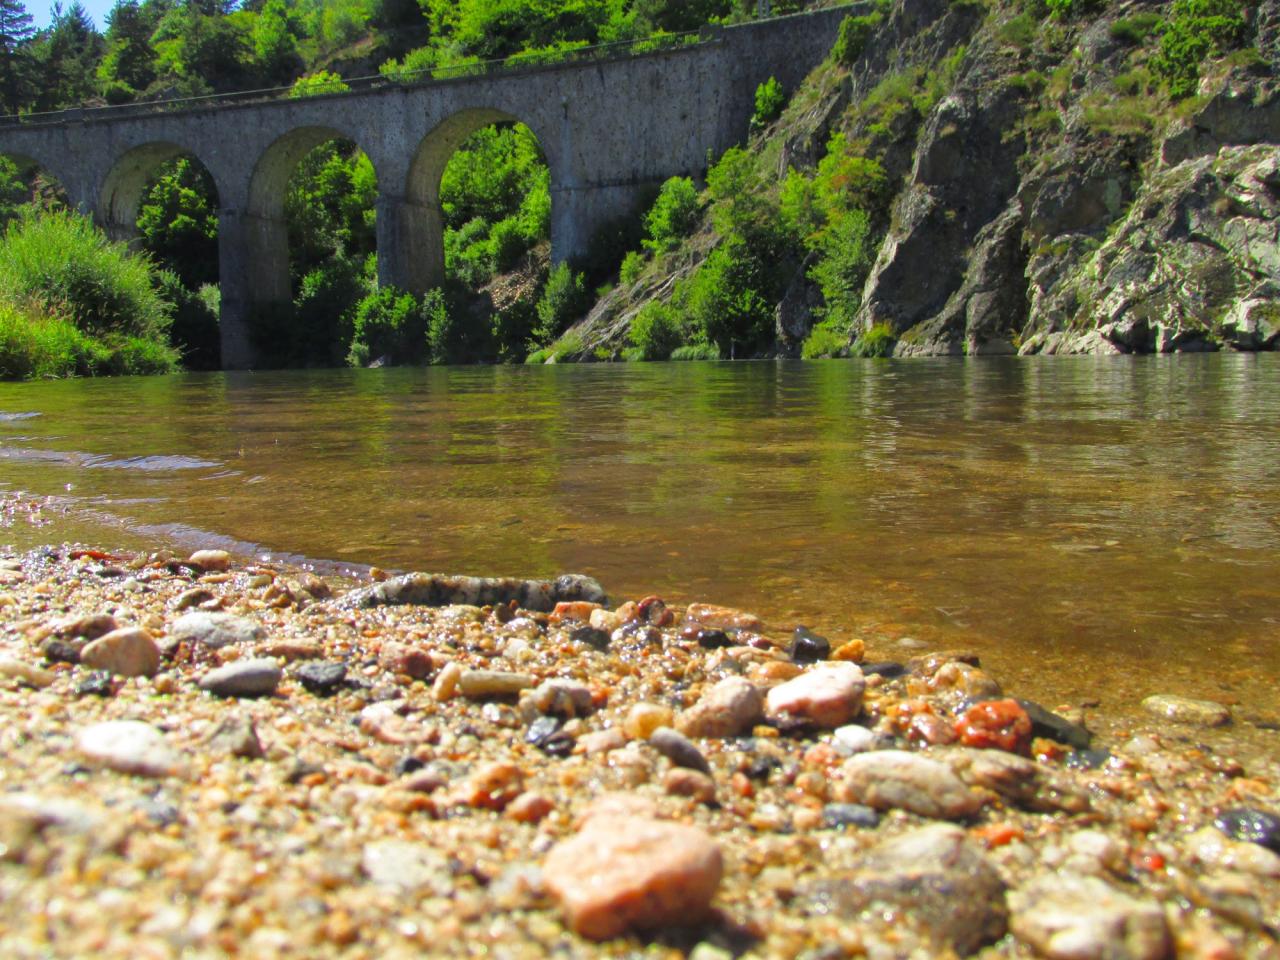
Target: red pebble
{"x":996,"y":724}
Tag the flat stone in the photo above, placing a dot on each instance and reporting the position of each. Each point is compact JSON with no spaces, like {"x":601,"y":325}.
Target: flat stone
{"x":237,"y":736}
{"x":128,"y":746}
{"x":215,"y":560}
{"x":407,"y":867}
{"x":1070,"y":917}
{"x":1211,"y":847}
{"x":679,"y":749}
{"x":683,"y":782}
{"x":320,"y":678}
{"x":828,"y":695}
{"x":621,"y":873}
{"x":127,"y":652}
{"x":896,"y":779}
{"x":840,"y":815}
{"x":722,"y":618}
{"x":729,"y":709}
{"x":1200,"y":713}
{"x":1018,"y":780}
{"x":1047,"y":724}
{"x":493,"y":683}
{"x":933,"y":879}
{"x":25,"y":672}
{"x":243,"y":678}
{"x":215,"y":629}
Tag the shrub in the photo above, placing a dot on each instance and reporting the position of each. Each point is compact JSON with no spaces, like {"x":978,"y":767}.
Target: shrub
{"x":673,"y":216}
{"x":564,"y":299}
{"x":696,"y":351}
{"x":1196,"y":30}
{"x":727,"y":302}
{"x":632,"y":267}
{"x":507,"y":243}
{"x":824,"y":340}
{"x":842,"y":267}
{"x":1066,"y":9}
{"x":317,"y":84}
{"x":853,"y":37}
{"x":656,"y":331}
{"x":1137,"y":28}
{"x":388,"y":325}
{"x":876,"y":341}
{"x":62,"y":263}
{"x":195,"y":332}
{"x":769,"y":103}
{"x":1019,"y":32}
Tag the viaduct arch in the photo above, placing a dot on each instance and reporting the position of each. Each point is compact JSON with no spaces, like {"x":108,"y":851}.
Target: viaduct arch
{"x":609,"y":129}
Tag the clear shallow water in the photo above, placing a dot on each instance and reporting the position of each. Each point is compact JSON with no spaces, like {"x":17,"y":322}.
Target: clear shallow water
{"x":1098,"y":528}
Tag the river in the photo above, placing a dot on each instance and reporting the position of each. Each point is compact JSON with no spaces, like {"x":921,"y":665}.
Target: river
{"x":1098,"y":529}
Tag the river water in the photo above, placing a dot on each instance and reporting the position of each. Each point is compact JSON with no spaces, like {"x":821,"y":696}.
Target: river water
{"x":1096,"y":528}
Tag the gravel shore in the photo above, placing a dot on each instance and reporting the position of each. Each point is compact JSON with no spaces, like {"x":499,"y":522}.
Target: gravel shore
{"x":209,"y":756}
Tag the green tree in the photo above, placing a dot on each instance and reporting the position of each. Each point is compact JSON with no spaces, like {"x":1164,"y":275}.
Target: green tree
{"x":673,"y":215}
{"x":67,"y":56}
{"x":16,"y":32}
{"x":129,"y":64}
{"x":275,"y":49}
{"x":178,"y":222}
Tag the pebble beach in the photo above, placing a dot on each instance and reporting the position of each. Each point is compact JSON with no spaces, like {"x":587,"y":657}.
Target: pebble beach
{"x":206,"y":756}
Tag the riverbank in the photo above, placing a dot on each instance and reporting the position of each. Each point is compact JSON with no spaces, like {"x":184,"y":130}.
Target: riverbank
{"x":304,"y":766}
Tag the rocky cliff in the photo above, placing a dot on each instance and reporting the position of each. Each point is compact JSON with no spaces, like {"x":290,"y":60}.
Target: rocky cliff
{"x":1051,"y":194}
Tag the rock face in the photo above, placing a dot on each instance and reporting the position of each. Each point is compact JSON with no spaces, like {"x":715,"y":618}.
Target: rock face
{"x":934,"y":879}
{"x":628,"y":872}
{"x":1068,"y":917}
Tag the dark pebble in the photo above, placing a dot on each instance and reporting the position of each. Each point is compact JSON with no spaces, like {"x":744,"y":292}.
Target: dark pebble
{"x":808,"y":647}
{"x":301,"y":769}
{"x":713,"y":639}
{"x":159,"y":812}
{"x":545,"y":734}
{"x":1087,"y":759}
{"x":62,"y":651}
{"x":96,"y":684}
{"x":321,"y":678}
{"x":409,"y":764}
{"x":1246,"y":823}
{"x":590,"y":636}
{"x":679,"y":749}
{"x":840,"y":815}
{"x":889,"y":669}
{"x":1047,"y":724}
{"x":761,"y":767}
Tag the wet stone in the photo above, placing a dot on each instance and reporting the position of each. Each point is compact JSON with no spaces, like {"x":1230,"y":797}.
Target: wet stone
{"x":889,"y":669}
{"x":840,"y":815}
{"x":320,"y":677}
{"x":590,"y":637}
{"x":215,"y":560}
{"x":1200,"y":713}
{"x":851,"y":739}
{"x":1047,"y":724}
{"x":679,"y":749}
{"x":492,"y":683}
{"x":728,"y":709}
{"x":1251,"y":825}
{"x":712,"y":639}
{"x":933,"y":879}
{"x":215,"y":629}
{"x":1087,"y":759}
{"x":808,"y":647}
{"x":623,"y":872}
{"x":547,"y":735}
{"x":243,"y":678}
{"x":58,"y":650}
{"x":827,"y":695}
{"x":1070,"y":917}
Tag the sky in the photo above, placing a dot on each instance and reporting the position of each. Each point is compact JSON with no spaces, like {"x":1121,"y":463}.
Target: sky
{"x":42,"y":11}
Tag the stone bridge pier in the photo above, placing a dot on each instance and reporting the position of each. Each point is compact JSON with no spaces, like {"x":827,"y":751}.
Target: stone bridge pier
{"x":611,"y":129}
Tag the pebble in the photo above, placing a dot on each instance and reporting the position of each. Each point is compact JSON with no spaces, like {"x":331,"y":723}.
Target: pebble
{"x":1047,"y":724}
{"x":446,"y":681}
{"x":243,"y":678}
{"x":728,"y":709}
{"x":26,"y":673}
{"x":851,"y":739}
{"x":808,"y":647}
{"x":590,"y":637}
{"x":644,"y":718}
{"x":683,"y":782}
{"x":852,"y":650}
{"x":828,"y":695}
{"x":59,"y":650}
{"x":89,"y":627}
{"x":972,"y":683}
{"x":1018,"y":780}
{"x":215,"y":629}
{"x":995,"y":724}
{"x":562,"y":698}
{"x":1213,"y":848}
{"x":128,"y":746}
{"x":889,"y":669}
{"x":933,"y":878}
{"x":493,"y":683}
{"x":126,"y":652}
{"x":96,"y":684}
{"x":896,"y":779}
{"x":1069,"y":917}
{"x":679,"y":749}
{"x":620,"y":873}
{"x":602,"y":741}
{"x":215,"y":560}
{"x":567,"y":610}
{"x":320,"y":677}
{"x":406,"y":659}
{"x":406,"y":867}
{"x":236,"y":735}
{"x":1253,"y":826}
{"x":1200,"y":713}
{"x":529,"y":807}
{"x":840,"y":815}
{"x":722,"y":618}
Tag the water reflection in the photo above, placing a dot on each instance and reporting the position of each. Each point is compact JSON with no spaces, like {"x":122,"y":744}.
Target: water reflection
{"x":1115,"y":515}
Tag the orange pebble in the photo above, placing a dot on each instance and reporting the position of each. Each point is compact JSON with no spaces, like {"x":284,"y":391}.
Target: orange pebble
{"x":997,"y":834}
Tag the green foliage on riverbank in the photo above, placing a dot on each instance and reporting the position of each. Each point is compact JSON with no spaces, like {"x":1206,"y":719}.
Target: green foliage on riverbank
{"x":73,"y":303}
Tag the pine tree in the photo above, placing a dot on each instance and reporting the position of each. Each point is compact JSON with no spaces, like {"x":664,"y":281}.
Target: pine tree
{"x":16,"y":32}
{"x":67,"y":56}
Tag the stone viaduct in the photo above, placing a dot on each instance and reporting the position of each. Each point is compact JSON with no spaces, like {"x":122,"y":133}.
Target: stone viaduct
{"x":609,"y":128}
